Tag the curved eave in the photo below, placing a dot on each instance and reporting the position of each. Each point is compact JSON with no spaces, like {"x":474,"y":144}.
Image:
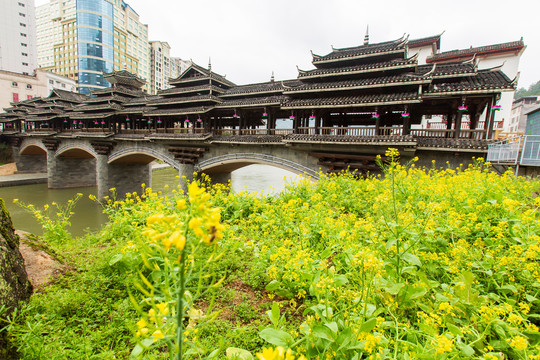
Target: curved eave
{"x":345,"y":88}
{"x":237,"y":106}
{"x":363,"y":104}
{"x":431,"y":94}
{"x":178,"y":112}
{"x":248,"y":93}
{"x":186,"y":101}
{"x":360,"y":71}
{"x":322,"y":60}
{"x":454,"y":75}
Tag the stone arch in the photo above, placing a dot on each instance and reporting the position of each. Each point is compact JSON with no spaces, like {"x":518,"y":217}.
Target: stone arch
{"x":234,"y":161}
{"x":140,"y":155}
{"x":31,"y":157}
{"x":79,"y":150}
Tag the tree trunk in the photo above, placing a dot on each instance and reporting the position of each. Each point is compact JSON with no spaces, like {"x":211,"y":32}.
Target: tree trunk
{"x":14,"y":283}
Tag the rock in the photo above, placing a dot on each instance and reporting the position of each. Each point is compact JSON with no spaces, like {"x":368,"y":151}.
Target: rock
{"x":14,"y":284}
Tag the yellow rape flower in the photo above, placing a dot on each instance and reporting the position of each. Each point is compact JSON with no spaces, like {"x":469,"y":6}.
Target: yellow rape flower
{"x":277,"y":354}
{"x":157,"y":335}
{"x":163,"y":308}
{"x":519,"y":343}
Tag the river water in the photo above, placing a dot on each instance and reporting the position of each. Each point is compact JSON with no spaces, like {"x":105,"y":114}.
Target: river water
{"x":88,"y":215}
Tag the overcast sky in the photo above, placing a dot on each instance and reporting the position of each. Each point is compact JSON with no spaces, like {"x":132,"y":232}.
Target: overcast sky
{"x":248,"y":39}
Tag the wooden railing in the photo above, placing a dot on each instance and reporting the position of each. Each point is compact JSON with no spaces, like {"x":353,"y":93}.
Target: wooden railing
{"x":349,"y":131}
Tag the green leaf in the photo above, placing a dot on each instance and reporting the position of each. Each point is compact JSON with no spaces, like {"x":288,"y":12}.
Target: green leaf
{"x":510,"y":287}
{"x":415,"y":292}
{"x":332,"y":326}
{"x":530,"y":298}
{"x":394,"y":289}
{"x":273,"y":285}
{"x":412,"y":259}
{"x":274,"y":314}
{"x":454,"y":329}
{"x":340,"y":280}
{"x":368,"y":325}
{"x":276,"y":337}
{"x":466,"y":349}
{"x":323,"y":332}
{"x":116,"y":258}
{"x":238,"y":354}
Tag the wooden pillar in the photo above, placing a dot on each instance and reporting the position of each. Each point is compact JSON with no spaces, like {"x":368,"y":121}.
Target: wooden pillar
{"x":449,"y":120}
{"x":378,"y":125}
{"x":317,"y":123}
{"x":406,"y":126}
{"x":457,"y":129}
{"x":491,"y":114}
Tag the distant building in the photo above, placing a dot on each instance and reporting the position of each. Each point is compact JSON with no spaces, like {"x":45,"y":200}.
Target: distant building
{"x":163,"y":67}
{"x":15,"y":87}
{"x":533,"y":121}
{"x":82,"y":39}
{"x":520,"y":107}
{"x":18,"y":36}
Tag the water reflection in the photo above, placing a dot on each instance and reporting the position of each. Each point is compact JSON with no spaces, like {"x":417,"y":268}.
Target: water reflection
{"x":88,"y":215}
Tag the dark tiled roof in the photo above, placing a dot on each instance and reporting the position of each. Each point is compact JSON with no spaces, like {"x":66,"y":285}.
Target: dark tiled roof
{"x":188,"y":99}
{"x":141,"y":100}
{"x":91,"y":116}
{"x":189,"y":89}
{"x":135,"y":110}
{"x":266,"y":87}
{"x":98,"y":107}
{"x":119,"y":89}
{"x":251,"y":101}
{"x":205,"y":73}
{"x":98,"y":99}
{"x":68,"y":95}
{"x":346,"y":101}
{"x":484,"y":81}
{"x":366,"y":68}
{"x":124,"y":77}
{"x":424,"y":41}
{"x":447,"y":69}
{"x":45,"y":111}
{"x":402,"y":79}
{"x":179,"y":111}
{"x":395,"y":46}
{"x":504,"y":47}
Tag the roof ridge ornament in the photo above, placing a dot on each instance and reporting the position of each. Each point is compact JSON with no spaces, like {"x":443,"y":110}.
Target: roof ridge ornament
{"x":272,"y":77}
{"x":209,"y":64}
{"x":366,"y":37}
{"x":432,"y":71}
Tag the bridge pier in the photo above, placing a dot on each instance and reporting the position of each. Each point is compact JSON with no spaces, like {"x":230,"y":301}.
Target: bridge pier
{"x":125,"y":178}
{"x":68,"y":172}
{"x":102,"y":175}
{"x":185,"y":174}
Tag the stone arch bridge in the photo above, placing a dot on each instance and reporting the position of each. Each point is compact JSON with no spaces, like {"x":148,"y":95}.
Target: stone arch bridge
{"x":123,"y":161}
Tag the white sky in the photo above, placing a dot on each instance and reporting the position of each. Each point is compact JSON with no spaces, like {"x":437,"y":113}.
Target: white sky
{"x":248,"y":39}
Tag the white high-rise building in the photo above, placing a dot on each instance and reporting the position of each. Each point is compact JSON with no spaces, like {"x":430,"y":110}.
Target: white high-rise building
{"x":18,"y":36}
{"x":163,"y":66}
{"x":83,"y":39}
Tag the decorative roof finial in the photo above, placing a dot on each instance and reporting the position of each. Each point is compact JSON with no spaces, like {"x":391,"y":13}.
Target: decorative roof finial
{"x":272,"y":77}
{"x":209,"y":64}
{"x":366,"y":38}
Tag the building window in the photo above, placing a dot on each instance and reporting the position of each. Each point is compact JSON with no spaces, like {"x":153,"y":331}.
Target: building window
{"x":21,"y":14}
{"x":51,"y":82}
{"x":14,"y":83}
{"x":28,"y":86}
{"x":22,"y":24}
{"x":15,"y":97}
{"x":28,"y":97}
{"x":24,"y":45}
{"x":23,"y":34}
{"x":24,"y":54}
{"x":25,"y":64}
{"x":63,"y":85}
{"x":21,"y":4}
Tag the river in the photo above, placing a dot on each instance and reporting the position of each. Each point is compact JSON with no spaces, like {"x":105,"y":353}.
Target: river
{"x":88,"y":216}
